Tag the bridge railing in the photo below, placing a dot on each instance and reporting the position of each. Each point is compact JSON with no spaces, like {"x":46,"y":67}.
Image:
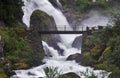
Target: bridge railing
{"x":64,"y":28}
{"x":71,"y":28}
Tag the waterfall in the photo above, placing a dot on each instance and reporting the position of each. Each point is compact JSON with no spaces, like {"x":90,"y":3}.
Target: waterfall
{"x":66,"y":44}
{"x":59,"y":4}
{"x":45,"y":6}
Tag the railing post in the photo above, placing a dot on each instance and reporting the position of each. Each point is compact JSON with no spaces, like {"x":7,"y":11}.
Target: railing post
{"x":82,"y":28}
{"x":65,"y":27}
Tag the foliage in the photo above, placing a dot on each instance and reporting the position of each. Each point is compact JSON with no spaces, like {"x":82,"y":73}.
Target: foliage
{"x":115,"y":74}
{"x":15,"y":48}
{"x":10,"y":11}
{"x":86,"y":57}
{"x":114,"y":54}
{"x":51,"y":72}
{"x":2,"y":75}
{"x":83,"y":3}
{"x":19,"y":66}
{"x":105,"y":46}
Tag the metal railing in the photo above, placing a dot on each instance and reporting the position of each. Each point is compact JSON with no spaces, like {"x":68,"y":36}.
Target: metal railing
{"x":64,"y":28}
{"x":70,"y":28}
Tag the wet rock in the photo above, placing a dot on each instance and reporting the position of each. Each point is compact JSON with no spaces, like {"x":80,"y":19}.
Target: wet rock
{"x":54,"y":3}
{"x":77,"y":42}
{"x":30,"y":73}
{"x":77,"y":57}
{"x":72,"y":14}
{"x":39,"y":21}
{"x":69,"y":75}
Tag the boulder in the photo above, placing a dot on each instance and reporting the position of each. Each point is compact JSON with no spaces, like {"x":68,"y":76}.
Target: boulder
{"x":77,"y":42}
{"x":69,"y":75}
{"x":77,"y":57}
{"x":43,"y":22}
{"x":39,"y":21}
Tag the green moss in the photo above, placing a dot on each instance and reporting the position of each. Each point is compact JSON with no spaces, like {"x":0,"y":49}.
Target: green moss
{"x":69,"y":75}
{"x":101,"y":66}
{"x":42,"y":15}
{"x":2,"y":75}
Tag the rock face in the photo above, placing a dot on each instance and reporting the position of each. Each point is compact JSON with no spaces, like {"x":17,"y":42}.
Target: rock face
{"x":69,"y":75}
{"x":77,"y":42}
{"x":42,"y":22}
{"x":72,"y":14}
{"x":54,"y":3}
{"x":39,"y":22}
{"x":77,"y":57}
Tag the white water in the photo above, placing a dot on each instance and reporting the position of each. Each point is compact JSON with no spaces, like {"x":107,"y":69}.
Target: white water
{"x":56,"y":60}
{"x":59,"y":4}
{"x":45,"y":6}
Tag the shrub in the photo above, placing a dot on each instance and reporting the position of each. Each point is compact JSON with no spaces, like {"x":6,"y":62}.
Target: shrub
{"x":51,"y":72}
{"x":2,"y":75}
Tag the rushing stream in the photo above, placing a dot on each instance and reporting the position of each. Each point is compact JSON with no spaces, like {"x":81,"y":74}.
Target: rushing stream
{"x":56,"y":60}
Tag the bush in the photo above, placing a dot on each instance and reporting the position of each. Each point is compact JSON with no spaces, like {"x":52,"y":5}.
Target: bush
{"x":114,"y":55}
{"x":10,"y":11}
{"x":115,"y":74}
{"x":15,"y":47}
{"x":2,"y":75}
{"x":51,"y":72}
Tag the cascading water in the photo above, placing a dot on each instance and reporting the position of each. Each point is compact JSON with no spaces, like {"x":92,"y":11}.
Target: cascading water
{"x":56,"y":60}
{"x":59,"y":4}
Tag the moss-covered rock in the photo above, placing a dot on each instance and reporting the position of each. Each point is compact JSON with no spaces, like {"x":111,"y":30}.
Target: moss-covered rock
{"x":40,"y":21}
{"x":69,"y":75}
{"x":43,"y":22}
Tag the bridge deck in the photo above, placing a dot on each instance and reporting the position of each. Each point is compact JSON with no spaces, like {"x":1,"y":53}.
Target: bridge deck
{"x":67,"y":30}
{"x":62,"y":32}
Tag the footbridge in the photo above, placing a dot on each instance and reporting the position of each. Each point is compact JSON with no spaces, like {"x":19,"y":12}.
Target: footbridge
{"x":69,"y":30}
